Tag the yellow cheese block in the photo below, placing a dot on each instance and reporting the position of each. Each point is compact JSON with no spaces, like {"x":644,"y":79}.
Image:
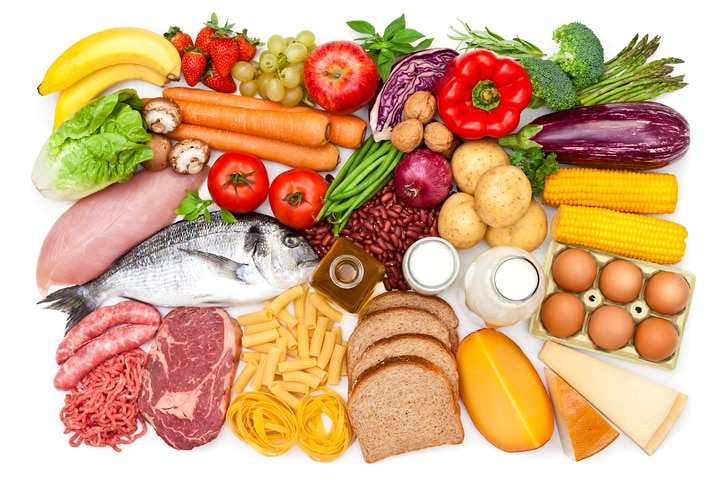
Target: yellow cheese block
{"x":643,"y":409}
{"x":583,"y":431}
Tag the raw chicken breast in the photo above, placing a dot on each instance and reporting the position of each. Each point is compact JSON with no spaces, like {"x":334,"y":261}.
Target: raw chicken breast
{"x":99,"y":228}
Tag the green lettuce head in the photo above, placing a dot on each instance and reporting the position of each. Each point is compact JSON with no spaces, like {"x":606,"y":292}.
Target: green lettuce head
{"x":99,"y":145}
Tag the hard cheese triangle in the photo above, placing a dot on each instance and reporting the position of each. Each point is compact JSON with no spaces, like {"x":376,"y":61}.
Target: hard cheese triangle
{"x":582,"y":429}
{"x":643,"y":409}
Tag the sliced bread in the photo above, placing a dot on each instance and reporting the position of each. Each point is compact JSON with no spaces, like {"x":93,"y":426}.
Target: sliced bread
{"x":420,"y":345}
{"x":403,"y":404}
{"x":431,"y":303}
{"x":393,"y":321}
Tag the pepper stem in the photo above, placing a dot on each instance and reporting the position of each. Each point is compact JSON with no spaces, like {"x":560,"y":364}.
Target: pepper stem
{"x":485,"y":95}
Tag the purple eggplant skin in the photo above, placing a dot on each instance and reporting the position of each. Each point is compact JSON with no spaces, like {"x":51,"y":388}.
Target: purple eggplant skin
{"x":635,"y":136}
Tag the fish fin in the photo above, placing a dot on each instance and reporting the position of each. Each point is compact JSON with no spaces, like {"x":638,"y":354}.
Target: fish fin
{"x":225,"y":265}
{"x":73,"y":301}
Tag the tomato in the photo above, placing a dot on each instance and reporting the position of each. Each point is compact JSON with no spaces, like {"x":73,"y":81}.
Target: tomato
{"x":296,"y":196}
{"x":238,"y":182}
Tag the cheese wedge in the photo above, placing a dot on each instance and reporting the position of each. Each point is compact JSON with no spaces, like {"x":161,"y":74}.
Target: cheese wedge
{"x":643,"y":409}
{"x":582,"y":430}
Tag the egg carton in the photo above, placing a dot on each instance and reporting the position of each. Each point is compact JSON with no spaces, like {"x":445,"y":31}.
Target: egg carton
{"x":593,"y":298}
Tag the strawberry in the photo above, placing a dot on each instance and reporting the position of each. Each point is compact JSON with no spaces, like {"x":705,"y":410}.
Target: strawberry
{"x":224,"y":52}
{"x":211,"y":28}
{"x":193,"y":66}
{"x":218,"y":82}
{"x":247,"y":46}
{"x":180,"y":39}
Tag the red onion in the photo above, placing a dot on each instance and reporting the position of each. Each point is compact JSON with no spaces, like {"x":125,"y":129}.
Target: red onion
{"x":423,"y":178}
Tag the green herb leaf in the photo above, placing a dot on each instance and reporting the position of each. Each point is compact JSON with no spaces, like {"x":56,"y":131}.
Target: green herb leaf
{"x":194,"y":206}
{"x":536,"y":165}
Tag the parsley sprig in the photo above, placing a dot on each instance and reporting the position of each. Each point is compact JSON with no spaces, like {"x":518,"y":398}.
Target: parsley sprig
{"x":395,"y":42}
{"x":536,"y":165}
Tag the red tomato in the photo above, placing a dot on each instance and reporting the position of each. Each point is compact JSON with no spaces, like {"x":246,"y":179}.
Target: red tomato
{"x":238,"y":182}
{"x":296,"y":196}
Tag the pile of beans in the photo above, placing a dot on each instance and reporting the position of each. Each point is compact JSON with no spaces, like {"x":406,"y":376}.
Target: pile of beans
{"x":384,"y":227}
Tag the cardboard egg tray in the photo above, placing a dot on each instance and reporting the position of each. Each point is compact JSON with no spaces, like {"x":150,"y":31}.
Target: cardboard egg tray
{"x":592,"y":298}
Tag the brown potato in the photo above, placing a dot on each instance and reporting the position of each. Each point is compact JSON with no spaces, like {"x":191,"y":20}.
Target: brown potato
{"x":472,"y":158}
{"x":527,"y":233}
{"x":502,"y":195}
{"x":459,"y":223}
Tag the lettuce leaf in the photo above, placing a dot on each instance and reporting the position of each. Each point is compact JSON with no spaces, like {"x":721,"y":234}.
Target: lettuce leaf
{"x":101,"y":144}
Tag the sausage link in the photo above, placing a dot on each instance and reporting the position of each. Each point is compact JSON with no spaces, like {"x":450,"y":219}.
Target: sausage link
{"x":91,"y":354}
{"x":102,"y":319}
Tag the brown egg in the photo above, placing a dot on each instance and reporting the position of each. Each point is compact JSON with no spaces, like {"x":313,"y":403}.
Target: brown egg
{"x":610,"y":327}
{"x":574,"y":269}
{"x":656,"y":339}
{"x":620,"y":281}
{"x":562,"y":314}
{"x":667,"y":292}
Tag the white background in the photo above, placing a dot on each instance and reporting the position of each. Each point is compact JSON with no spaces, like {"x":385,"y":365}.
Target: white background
{"x":35,"y":446}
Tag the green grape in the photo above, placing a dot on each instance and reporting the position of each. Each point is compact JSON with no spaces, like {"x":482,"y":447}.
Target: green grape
{"x":290,"y":76}
{"x":268,"y":61}
{"x":276,"y":44}
{"x":274,"y":89}
{"x":243,"y":71}
{"x":307,"y":38}
{"x":293,"y":96}
{"x":295,"y":52}
{"x":262,"y":81}
{"x":248,"y":88}
{"x":289,"y":40}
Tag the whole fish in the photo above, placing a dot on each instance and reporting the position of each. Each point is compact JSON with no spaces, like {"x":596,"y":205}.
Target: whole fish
{"x":199,"y":263}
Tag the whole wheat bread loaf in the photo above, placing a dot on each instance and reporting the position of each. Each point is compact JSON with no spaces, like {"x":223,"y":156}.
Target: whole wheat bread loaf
{"x":431,"y":303}
{"x":420,"y":345}
{"x":403,"y":404}
{"x":393,"y":321}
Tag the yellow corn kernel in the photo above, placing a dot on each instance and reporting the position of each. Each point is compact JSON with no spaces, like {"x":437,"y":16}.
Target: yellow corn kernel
{"x":628,"y":234}
{"x":620,"y":190}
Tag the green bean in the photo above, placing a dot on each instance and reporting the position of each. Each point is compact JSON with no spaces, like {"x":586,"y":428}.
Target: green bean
{"x":366,"y":178}
{"x":372,"y":157}
{"x":358,"y":155}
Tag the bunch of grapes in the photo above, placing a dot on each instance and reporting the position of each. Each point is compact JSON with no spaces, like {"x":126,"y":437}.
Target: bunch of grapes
{"x":278,"y":74}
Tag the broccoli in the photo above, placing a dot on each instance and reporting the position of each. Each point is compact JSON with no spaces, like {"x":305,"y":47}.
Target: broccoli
{"x":580,"y":54}
{"x":551,"y":86}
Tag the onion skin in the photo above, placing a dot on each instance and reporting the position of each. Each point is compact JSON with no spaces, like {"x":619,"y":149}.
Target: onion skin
{"x":636,"y":136}
{"x":423,"y":178}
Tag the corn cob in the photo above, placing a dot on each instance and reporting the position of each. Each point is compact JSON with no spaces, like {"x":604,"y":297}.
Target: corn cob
{"x":628,"y":234}
{"x":620,"y":190}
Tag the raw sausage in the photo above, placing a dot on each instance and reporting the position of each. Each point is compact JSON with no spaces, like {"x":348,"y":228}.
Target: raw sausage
{"x":102,"y":319}
{"x":110,"y":343}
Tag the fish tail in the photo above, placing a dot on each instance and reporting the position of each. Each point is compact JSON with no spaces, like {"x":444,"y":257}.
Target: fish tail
{"x":72,"y":300}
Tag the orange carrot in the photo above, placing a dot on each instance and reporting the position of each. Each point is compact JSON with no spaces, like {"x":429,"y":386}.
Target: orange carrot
{"x":322,"y":158}
{"x":304,"y":128}
{"x":348,"y":131}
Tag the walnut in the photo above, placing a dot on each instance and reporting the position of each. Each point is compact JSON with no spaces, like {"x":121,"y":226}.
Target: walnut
{"x":438,"y":137}
{"x":420,"y":105}
{"x":407,"y":135}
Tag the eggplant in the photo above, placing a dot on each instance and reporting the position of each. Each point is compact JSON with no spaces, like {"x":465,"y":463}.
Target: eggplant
{"x":636,"y":136}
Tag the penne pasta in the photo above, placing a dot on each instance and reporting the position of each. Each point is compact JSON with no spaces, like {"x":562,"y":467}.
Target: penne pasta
{"x":325,"y":351}
{"x":336,"y":363}
{"x":270,"y":366}
{"x":315,"y":343}
{"x":259,"y":316}
{"x":256,"y":380}
{"x":261,"y":327}
{"x":297,"y":364}
{"x":311,"y":380}
{"x":323,"y":306}
{"x":285,"y":298}
{"x":244,"y":376}
{"x":285,"y":396}
{"x":259,"y":338}
{"x":287,"y":318}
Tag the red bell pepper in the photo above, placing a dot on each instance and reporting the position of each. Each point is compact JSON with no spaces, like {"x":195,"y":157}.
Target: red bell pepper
{"x":482,"y":94}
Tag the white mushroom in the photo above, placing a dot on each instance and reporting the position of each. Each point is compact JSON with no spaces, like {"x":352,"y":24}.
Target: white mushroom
{"x":189,"y":156}
{"x":162,"y":115}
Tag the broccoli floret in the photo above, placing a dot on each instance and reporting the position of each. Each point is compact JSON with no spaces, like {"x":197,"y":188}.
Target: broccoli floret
{"x":551,"y":86}
{"x":580,"y":54}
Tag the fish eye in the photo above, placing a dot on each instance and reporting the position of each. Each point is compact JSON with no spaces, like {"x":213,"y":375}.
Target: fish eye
{"x":292,"y":241}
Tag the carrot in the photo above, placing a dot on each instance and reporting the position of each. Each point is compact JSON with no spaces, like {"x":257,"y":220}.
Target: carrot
{"x":348,"y":131}
{"x":304,"y":128}
{"x":322,"y":158}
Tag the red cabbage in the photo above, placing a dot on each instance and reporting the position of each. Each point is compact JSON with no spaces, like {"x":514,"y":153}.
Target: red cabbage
{"x":418,"y":71}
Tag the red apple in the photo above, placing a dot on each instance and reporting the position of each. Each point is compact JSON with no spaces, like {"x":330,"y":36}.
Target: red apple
{"x":340,"y":76}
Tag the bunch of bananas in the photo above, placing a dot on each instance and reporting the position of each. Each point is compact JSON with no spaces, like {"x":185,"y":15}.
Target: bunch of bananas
{"x":105,"y":58}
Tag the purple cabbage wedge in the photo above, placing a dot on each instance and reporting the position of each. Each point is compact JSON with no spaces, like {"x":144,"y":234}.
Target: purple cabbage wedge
{"x":418,"y":71}
{"x":636,"y":136}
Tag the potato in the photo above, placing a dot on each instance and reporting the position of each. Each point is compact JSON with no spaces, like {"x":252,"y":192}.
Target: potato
{"x":527,"y":233}
{"x":502,"y":195}
{"x":472,"y":158}
{"x":459,"y":223}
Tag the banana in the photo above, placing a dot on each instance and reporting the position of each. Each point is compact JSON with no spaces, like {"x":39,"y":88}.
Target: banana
{"x":130,"y":45}
{"x":89,"y":87}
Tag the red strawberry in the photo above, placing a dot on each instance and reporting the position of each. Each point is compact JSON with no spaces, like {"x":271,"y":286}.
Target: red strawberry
{"x":247,"y":46}
{"x":180,"y":39}
{"x":211,"y":28}
{"x":218,"y":82}
{"x":193,"y":66}
{"x":224,"y":52}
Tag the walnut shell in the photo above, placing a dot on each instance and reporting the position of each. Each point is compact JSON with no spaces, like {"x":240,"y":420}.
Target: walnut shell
{"x":407,"y":135}
{"x":421,"y":105}
{"x":438,"y":137}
